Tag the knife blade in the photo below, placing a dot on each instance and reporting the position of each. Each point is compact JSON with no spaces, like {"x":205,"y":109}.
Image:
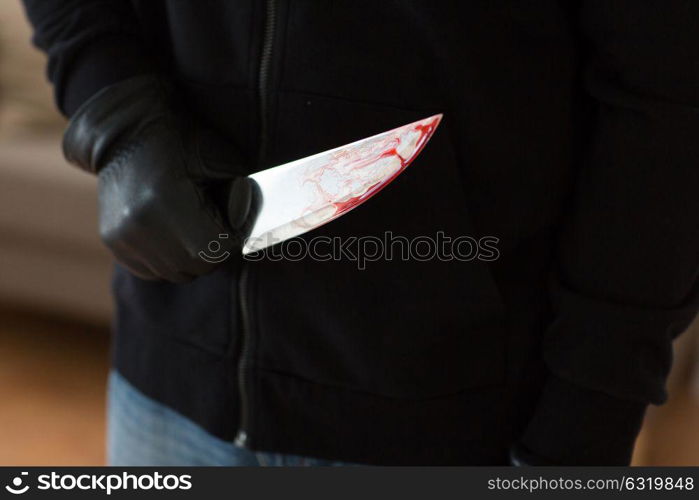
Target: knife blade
{"x":297,"y":197}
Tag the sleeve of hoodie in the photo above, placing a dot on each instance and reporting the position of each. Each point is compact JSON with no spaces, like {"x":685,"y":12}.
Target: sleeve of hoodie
{"x":90,"y":44}
{"x":628,"y":254}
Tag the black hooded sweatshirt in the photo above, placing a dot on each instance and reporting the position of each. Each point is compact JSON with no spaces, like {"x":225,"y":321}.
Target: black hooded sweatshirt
{"x":570,"y":134}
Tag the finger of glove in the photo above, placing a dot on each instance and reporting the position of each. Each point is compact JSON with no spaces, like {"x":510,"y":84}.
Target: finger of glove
{"x":143,"y":238}
{"x":202,"y":250}
{"x":214,"y":157}
{"x":136,"y":268}
{"x":128,"y":257}
{"x":166,"y":271}
{"x":152,"y":262}
{"x":107,"y":116}
{"x":195,"y":221}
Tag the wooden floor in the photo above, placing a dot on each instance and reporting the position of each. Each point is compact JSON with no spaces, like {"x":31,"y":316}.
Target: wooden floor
{"x":52,"y":406}
{"x":52,"y":391}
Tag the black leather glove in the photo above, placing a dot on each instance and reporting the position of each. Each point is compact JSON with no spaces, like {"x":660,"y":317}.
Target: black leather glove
{"x":164,"y":183}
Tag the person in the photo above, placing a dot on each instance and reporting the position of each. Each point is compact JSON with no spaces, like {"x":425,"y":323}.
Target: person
{"x":569,"y":138}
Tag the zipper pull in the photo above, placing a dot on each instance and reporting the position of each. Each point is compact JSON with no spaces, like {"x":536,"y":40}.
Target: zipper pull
{"x":241,"y":439}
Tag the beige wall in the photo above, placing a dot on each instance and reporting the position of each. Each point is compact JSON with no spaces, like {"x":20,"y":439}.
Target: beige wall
{"x":27,"y":103}
{"x":51,"y":258}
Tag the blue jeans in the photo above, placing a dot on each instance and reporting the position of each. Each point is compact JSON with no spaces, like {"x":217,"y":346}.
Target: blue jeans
{"x":144,"y":432}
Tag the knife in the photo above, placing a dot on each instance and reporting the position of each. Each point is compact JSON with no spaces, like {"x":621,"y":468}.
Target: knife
{"x":296,"y":197}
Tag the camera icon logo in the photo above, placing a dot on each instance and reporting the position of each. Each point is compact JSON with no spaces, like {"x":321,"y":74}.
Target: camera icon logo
{"x":215,"y":256}
{"x":16,"y":487}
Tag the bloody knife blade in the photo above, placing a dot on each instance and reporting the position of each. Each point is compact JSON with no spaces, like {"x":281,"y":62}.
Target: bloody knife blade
{"x":304,"y":194}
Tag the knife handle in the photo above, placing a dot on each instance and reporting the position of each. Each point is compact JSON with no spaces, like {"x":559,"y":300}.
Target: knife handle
{"x":243,"y":203}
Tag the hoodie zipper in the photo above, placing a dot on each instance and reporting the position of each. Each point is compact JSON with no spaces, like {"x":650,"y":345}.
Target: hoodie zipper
{"x":263,"y":97}
{"x":242,"y":436}
{"x":263,"y":76}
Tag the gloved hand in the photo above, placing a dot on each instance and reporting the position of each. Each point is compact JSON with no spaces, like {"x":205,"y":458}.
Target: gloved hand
{"x":162,"y":180}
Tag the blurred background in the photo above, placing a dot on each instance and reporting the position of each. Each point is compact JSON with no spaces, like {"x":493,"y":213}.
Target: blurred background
{"x":54,"y":291}
{"x":54,"y":274}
